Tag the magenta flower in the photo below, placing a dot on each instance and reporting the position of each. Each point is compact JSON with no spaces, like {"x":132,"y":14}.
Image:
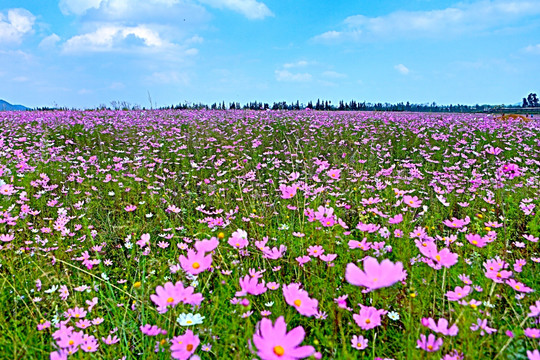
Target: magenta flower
{"x":171,"y":295}
{"x":251,"y":285}
{"x":130,"y":208}
{"x":369,"y":317}
{"x":412,"y":201}
{"x":183,"y":346}
{"x":274,"y":343}
{"x":441,"y":326}
{"x":315,"y":250}
{"x":445,"y":258}
{"x":430,"y":344}
{"x":535,"y":309}
{"x":533,"y":354}
{"x":476,"y":240}
{"x":358,"y":342}
{"x":334,"y":173}
{"x":519,"y":286}
{"x":482,"y":326}
{"x":300,"y":299}
{"x":375,"y":275}
{"x":7,"y":237}
{"x":532,"y":333}
{"x":458,"y":293}
{"x":195,"y":262}
{"x":396,"y":219}
{"x":207,"y":245}
{"x":151,"y":330}
{"x":238,"y":239}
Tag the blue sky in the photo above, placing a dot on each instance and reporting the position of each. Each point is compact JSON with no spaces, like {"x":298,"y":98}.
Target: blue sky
{"x":83,"y":53}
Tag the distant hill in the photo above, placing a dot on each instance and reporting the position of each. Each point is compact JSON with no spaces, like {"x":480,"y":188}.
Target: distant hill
{"x":5,"y":106}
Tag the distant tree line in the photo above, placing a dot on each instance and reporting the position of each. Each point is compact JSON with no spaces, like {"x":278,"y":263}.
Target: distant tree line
{"x":326,"y":105}
{"x":531,"y":101}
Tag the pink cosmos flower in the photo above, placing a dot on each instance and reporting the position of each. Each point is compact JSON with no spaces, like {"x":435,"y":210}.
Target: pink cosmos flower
{"x":430,"y":344}
{"x":334,"y":173}
{"x":274,"y":253}
{"x":315,"y":250}
{"x":519,"y":286}
{"x":476,"y":240}
{"x":144,"y":241}
{"x":458,"y":293}
{"x":482,"y":326}
{"x":426,"y":247}
{"x":7,"y":237}
{"x":535,"y":309}
{"x":396,"y":219}
{"x":152,"y":330}
{"x":171,"y":295}
{"x":238,"y":239}
{"x":375,"y":275}
{"x":328,"y":257}
{"x":251,"y":285}
{"x":130,"y":208}
{"x":454,"y":223}
{"x":195,"y":262}
{"x":445,"y":258}
{"x":441,"y":326}
{"x":364,"y":245}
{"x":273,"y":342}
{"x":412,"y":201}
{"x":207,"y":245}
{"x":358,"y":342}
{"x":369,"y":317}
{"x":533,"y":354}
{"x":532,"y":333}
{"x":287,"y":192}
{"x":183,"y":346}
{"x":300,"y":300}
{"x":303,"y":259}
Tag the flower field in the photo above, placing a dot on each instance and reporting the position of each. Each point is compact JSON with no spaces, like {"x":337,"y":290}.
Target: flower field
{"x":269,"y":235}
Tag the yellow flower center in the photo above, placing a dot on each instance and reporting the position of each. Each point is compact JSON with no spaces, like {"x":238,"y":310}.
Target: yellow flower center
{"x":517,"y":287}
{"x":475,"y":242}
{"x":196,"y":265}
{"x":297,"y":302}
{"x":279,"y":350}
{"x":71,"y":342}
{"x":368,"y":321}
{"x":438,"y":257}
{"x":170,"y":300}
{"x":430,"y":347}
{"x":163,"y":342}
{"x":189,"y":347}
{"x":189,"y":322}
{"x":89,"y":347}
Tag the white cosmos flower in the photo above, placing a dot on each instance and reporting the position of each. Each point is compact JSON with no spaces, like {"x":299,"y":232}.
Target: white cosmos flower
{"x":190,"y":319}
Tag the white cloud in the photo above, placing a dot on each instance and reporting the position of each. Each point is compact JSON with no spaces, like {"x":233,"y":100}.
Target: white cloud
{"x":78,"y":7}
{"x":251,"y":9}
{"x":463,"y":18}
{"x":300,"y":63}
{"x":535,"y":49}
{"x":287,"y":76}
{"x":15,"y":25}
{"x":333,"y":75}
{"x":110,"y":38}
{"x":49,"y":41}
{"x":402,"y":69}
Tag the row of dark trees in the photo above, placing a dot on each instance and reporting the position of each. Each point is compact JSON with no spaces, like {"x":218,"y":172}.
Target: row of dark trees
{"x":342,"y":105}
{"x":531,"y":101}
